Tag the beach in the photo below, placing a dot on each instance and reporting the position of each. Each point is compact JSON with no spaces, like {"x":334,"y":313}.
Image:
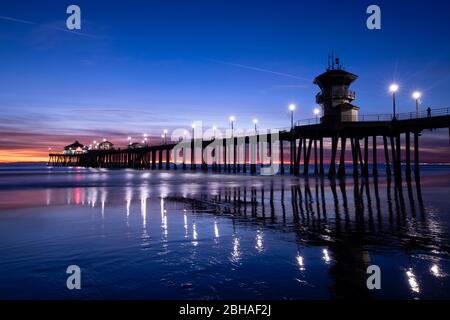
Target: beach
{"x":141,"y":234}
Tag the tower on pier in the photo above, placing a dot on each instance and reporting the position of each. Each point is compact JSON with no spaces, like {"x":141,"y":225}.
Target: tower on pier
{"x":335,"y":96}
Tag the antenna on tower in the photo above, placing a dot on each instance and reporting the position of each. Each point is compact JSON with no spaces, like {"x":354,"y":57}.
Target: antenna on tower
{"x":332,"y":60}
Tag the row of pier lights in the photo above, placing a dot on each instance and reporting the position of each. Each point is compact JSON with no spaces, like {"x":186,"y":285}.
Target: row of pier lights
{"x":393,"y":88}
{"x":232,"y":120}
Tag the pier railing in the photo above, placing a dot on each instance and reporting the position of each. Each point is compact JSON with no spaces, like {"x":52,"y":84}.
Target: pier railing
{"x":381,"y":117}
{"x":398,"y":116}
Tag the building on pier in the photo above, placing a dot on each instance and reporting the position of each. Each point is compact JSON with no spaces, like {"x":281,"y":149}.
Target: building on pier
{"x":75,"y":148}
{"x":136,"y":145}
{"x":335,"y":97}
{"x":106,"y":145}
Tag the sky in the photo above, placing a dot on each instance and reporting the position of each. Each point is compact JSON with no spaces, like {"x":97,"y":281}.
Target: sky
{"x":144,"y":66}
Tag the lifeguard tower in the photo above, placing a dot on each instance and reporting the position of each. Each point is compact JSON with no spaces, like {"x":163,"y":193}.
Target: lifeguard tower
{"x":335,"y":97}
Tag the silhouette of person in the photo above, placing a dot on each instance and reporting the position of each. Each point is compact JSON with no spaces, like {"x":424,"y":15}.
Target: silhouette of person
{"x":429,"y":112}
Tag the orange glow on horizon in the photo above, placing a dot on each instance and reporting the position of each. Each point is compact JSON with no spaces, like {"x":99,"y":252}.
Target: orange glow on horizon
{"x":23,"y":155}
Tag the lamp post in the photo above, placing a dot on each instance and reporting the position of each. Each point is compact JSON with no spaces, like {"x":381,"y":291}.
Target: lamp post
{"x":184,"y":149}
{"x":165,"y":136}
{"x":393,"y":89}
{"x":291,"y":153}
{"x":255,"y":122}
{"x":292,"y":109}
{"x":193,"y":148}
{"x":232,"y":119}
{"x":145,"y":139}
{"x":416,"y":96}
{"x":317,"y":112}
{"x":129,"y":141}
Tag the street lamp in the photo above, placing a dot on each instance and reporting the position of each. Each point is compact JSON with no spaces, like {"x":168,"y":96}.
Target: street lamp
{"x":393,"y":89}
{"x":193,"y":130}
{"x":292,"y":109}
{"x":232,"y":119}
{"x":165,"y":136}
{"x":255,"y":122}
{"x":317,"y":112}
{"x":129,"y":141}
{"x":416,"y":96}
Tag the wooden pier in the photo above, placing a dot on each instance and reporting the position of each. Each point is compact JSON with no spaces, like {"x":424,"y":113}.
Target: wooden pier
{"x":340,"y":127}
{"x":362,"y":138}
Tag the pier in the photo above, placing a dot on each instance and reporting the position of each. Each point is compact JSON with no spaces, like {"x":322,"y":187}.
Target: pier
{"x":367,"y":138}
{"x":363,"y":138}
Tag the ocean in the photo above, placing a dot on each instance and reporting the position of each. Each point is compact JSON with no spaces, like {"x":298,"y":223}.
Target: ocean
{"x":190,"y":235}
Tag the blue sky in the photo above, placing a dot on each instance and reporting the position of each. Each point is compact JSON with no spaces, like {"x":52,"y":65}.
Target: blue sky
{"x":145,"y":66}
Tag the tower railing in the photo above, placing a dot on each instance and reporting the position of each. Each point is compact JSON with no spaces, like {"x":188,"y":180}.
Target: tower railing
{"x":346,"y":94}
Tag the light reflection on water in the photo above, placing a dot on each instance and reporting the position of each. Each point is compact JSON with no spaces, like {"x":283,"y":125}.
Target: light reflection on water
{"x":230,"y":236}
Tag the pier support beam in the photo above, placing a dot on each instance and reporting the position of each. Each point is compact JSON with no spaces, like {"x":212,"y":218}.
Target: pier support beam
{"x":354,"y":157}
{"x":316,"y":168}
{"x":305,"y":151}
{"x":386,"y":156}
{"x":224,"y":146}
{"x":399,"y":155}
{"x":193,"y":165}
{"x":184,"y":156}
{"x":167,"y":159}
{"x":374,"y":156}
{"x":292,"y":153}
{"x":332,"y":170}
{"x":281,"y":156}
{"x":341,"y":170}
{"x":366,"y":157}
{"x":408,"y":154}
{"x":153,"y":159}
{"x":416,"y":155}
{"x":359,"y":155}
{"x":321,"y":170}
{"x":297,"y":156}
{"x":253,"y":149}
{"x":307,"y":155}
{"x":393,"y":154}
